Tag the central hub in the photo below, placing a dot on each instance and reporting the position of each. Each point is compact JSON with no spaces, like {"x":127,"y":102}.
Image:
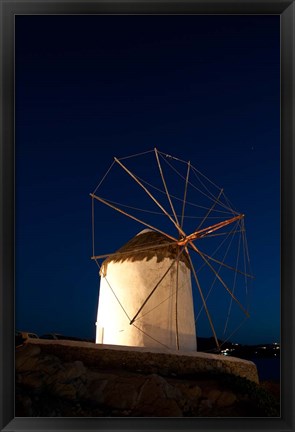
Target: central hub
{"x":183,"y":241}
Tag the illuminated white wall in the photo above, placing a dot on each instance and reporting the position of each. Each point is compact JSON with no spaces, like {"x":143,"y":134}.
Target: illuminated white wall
{"x":155,"y":327}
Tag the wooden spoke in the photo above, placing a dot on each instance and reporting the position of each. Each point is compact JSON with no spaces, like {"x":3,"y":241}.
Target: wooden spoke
{"x":133,"y":250}
{"x":234,"y":285}
{"x":210,"y":210}
{"x":165,"y":186}
{"x":227,"y":266}
{"x":211,"y":198}
{"x":132,"y":217}
{"x":92,"y":208}
{"x":185,"y":192}
{"x":176,"y":304}
{"x":220,"y":279}
{"x":205,"y":231}
{"x":155,"y":287}
{"x":202,"y":297}
{"x":151,"y":196}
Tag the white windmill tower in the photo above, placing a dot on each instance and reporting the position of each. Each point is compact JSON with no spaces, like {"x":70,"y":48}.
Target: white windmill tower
{"x":152,"y":282}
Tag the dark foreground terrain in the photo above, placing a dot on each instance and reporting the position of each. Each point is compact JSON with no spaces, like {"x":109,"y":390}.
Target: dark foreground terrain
{"x":51,"y":385}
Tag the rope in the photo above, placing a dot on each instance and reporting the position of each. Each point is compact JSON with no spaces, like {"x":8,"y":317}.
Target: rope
{"x":180,"y":199}
{"x":99,"y":184}
{"x":228,"y":266}
{"x":166,"y":189}
{"x":234,"y":210}
{"x":128,"y":315}
{"x":234,"y":285}
{"x":196,"y":172}
{"x":115,"y":294}
{"x":223,"y":284}
{"x":214,"y":280}
{"x":217,"y":249}
{"x":209,"y":211}
{"x":194,"y":168}
{"x":176,"y":306}
{"x":201,"y":192}
{"x":161,"y":213}
{"x":131,"y":216}
{"x":185,"y":192}
{"x":217,"y":234}
{"x":172,"y":157}
{"x":155,"y":307}
{"x":156,"y":340}
{"x":202,"y":297}
{"x":151,"y":196}
{"x":135,"y":155}
{"x":156,"y":286}
{"x":92,"y":205}
{"x":230,"y":336}
{"x":245,"y":247}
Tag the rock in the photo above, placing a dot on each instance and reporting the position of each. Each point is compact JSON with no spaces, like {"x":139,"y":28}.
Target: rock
{"x":95,"y":391}
{"x":156,"y":398}
{"x":205,"y":407}
{"x":118,"y":397}
{"x":74,"y":370}
{"x":24,"y":353}
{"x":226,"y":399}
{"x":50,"y":366}
{"x":27,"y":364}
{"x":190,"y":391}
{"x":33,"y":380}
{"x":66,"y":391}
{"x":213,"y":395}
{"x":190,"y":395}
{"x":28,"y":350}
{"x":92,"y":376}
{"x":80,"y":387}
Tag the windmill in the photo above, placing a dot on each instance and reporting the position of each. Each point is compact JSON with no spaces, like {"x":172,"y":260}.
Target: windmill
{"x":155,"y":288}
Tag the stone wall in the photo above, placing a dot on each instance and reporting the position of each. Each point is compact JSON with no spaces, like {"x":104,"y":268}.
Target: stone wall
{"x":58,"y":379}
{"x":147,"y":360}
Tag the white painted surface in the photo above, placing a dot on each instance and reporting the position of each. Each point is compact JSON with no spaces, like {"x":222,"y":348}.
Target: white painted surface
{"x":126,"y":286}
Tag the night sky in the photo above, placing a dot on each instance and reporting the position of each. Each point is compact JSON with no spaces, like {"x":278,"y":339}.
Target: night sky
{"x":88,"y":88}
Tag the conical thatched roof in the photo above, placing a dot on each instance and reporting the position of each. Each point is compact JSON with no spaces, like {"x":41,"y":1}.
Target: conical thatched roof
{"x":153,"y":242}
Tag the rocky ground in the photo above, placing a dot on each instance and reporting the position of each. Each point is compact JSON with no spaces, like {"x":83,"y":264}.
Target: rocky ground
{"x":49,"y":386}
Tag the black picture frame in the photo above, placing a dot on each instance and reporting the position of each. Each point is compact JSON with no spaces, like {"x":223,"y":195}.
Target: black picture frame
{"x":9,"y":9}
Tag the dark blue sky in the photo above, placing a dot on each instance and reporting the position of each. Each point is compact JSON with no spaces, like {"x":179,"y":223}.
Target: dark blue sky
{"x":88,"y":88}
